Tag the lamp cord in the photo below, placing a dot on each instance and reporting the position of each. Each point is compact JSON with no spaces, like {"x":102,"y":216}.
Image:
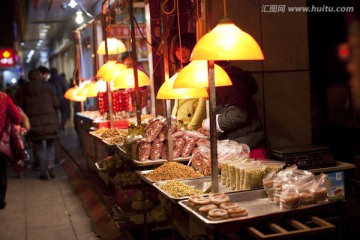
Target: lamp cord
{"x":179,"y":32}
{"x":225,"y":12}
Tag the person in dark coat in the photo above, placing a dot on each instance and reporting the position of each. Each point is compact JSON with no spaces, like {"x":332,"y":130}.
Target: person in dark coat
{"x":40,"y":104}
{"x":236,"y":111}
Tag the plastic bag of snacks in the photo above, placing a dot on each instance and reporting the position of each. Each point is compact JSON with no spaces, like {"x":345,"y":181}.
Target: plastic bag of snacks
{"x":319,"y":190}
{"x":289,"y":198}
{"x":268,"y":182}
{"x":231,"y":150}
{"x":201,"y":160}
{"x":278,"y":182}
{"x":305,"y":194}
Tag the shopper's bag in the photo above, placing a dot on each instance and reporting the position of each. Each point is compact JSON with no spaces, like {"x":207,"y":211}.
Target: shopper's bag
{"x":5,"y":146}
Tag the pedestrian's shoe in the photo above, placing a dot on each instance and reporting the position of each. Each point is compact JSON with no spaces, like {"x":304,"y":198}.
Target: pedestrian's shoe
{"x":42,"y":177}
{"x":51,"y":172}
{"x":35,"y":166}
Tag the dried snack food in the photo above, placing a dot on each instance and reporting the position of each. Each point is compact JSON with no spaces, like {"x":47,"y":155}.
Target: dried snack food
{"x":144,"y":149}
{"x":229,"y":205}
{"x":156,"y":148}
{"x":153,"y":130}
{"x":188,"y":147}
{"x":203,"y":210}
{"x":290,"y":201}
{"x":237,"y":212}
{"x":134,"y":148}
{"x":217,"y":214}
{"x":178,"y":147}
{"x":172,"y":170}
{"x":306,"y":198}
{"x":176,"y":188}
{"x":219,"y":198}
{"x":320,"y":194}
{"x":109,"y":133}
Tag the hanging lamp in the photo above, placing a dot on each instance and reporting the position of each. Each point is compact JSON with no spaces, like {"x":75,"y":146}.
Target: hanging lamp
{"x":89,"y":90}
{"x":195,"y":75}
{"x":167,"y":91}
{"x":114,"y":46}
{"x":126,"y":79}
{"x":72,"y":95}
{"x":105,"y":68}
{"x":227,"y":42}
{"x":114,"y":72}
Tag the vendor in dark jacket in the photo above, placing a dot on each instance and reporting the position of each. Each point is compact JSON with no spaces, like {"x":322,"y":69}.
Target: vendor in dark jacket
{"x":40,"y":104}
{"x":236,"y":111}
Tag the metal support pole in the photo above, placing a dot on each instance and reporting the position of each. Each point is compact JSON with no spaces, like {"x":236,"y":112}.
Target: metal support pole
{"x":78,"y":62}
{"x":170,"y":141}
{"x":108,"y":89}
{"x":213,"y":133}
{"x":169,"y":137}
{"x":134,"y":58}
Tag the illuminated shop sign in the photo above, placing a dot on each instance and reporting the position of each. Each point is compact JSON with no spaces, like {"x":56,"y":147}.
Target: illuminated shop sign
{"x":122,"y":31}
{"x":6,"y":57}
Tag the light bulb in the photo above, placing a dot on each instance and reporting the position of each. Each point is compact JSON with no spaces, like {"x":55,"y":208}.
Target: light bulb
{"x":79,"y":18}
{"x":72,"y":3}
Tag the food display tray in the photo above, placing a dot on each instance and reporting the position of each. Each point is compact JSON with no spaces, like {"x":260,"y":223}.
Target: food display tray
{"x":104,"y":170}
{"x":256,"y":204}
{"x":107,"y":141}
{"x":197,"y":183}
{"x":157,"y":162}
{"x":144,"y":172}
{"x":94,"y":134}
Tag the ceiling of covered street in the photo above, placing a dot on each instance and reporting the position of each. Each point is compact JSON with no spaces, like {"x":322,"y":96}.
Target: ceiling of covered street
{"x":50,"y":24}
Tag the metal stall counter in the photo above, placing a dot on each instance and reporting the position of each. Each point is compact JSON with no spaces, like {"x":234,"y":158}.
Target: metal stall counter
{"x":263,"y":219}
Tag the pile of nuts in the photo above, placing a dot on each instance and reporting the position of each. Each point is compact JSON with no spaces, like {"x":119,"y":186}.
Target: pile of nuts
{"x":178,"y":189}
{"x":172,"y":170}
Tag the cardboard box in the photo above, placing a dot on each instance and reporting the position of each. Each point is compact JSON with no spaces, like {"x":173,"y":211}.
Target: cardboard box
{"x":336,"y":186}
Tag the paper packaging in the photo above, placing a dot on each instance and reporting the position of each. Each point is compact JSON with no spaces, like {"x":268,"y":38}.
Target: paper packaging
{"x":335,"y":186}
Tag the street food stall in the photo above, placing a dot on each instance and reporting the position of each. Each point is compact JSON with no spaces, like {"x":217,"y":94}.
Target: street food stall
{"x":163,"y":174}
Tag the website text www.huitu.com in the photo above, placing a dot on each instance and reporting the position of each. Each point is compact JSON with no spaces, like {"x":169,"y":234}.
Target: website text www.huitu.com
{"x":310,"y":9}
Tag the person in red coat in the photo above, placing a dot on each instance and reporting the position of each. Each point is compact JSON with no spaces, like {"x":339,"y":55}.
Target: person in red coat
{"x":9,"y":114}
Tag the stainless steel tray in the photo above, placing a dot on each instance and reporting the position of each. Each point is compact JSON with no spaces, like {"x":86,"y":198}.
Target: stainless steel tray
{"x":255,"y":202}
{"x":159,"y":161}
{"x":94,"y":134}
{"x":143,"y":177}
{"x":197,"y":183}
{"x":97,"y":165}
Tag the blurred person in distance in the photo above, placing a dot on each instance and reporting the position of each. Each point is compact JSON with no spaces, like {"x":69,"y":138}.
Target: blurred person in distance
{"x":40,"y":103}
{"x":61,"y":86}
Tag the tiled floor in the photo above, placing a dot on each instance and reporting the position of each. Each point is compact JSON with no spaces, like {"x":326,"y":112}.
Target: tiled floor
{"x":38,"y":209}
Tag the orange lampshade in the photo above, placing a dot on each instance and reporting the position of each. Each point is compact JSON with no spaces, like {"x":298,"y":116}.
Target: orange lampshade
{"x":126,"y":79}
{"x":105,"y":68}
{"x":167,"y":91}
{"x":195,"y":75}
{"x":114,"y":72}
{"x":101,"y":85}
{"x":227,"y":42}
{"x":71,"y":94}
{"x":89,"y":90}
{"x":114,"y":45}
